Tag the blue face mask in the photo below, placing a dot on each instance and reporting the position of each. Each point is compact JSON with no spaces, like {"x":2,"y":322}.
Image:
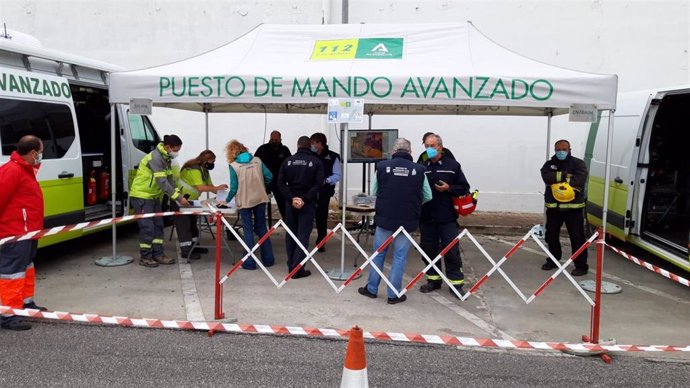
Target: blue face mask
{"x":313,"y":148}
{"x":561,"y":155}
{"x":431,"y":152}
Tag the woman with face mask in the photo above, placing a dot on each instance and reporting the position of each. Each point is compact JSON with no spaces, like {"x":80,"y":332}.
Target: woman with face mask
{"x":194,"y":180}
{"x":155,"y":179}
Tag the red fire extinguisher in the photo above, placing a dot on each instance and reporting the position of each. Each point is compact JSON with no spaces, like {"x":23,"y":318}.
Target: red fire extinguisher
{"x":103,"y":185}
{"x":91,"y":189}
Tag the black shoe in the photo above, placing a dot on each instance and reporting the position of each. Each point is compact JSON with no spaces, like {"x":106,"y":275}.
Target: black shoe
{"x":365,"y":291}
{"x":397,"y":300}
{"x":579,"y":271}
{"x":549,"y":265}
{"x":14,"y":322}
{"x":460,"y":290}
{"x":322,"y":249}
{"x":200,"y":250}
{"x":429,"y":286}
{"x":188,"y":254}
{"x":34,"y":306}
{"x":301,"y":274}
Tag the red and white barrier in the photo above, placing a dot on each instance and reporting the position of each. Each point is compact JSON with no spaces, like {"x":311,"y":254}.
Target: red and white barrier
{"x":651,"y":267}
{"x":37,"y":234}
{"x":218,"y":327}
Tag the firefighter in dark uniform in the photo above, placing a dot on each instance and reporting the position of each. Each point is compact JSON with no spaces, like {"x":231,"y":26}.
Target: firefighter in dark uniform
{"x":331,"y":172}
{"x":439,"y":224}
{"x":299,"y":179}
{"x":564,"y":199}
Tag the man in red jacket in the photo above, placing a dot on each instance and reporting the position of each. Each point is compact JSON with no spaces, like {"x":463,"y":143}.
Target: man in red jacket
{"x":21,"y":211}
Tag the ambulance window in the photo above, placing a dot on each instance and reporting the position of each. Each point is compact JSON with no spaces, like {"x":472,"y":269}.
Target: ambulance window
{"x":143,"y":135}
{"x":52,"y":123}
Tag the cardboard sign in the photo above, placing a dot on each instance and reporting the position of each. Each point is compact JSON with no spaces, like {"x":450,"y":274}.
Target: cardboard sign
{"x":140,"y":106}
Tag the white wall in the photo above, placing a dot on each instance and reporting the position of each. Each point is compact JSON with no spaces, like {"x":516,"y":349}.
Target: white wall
{"x":645,"y":42}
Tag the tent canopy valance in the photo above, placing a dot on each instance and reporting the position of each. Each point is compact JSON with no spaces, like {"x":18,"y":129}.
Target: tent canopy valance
{"x":445,"y":69}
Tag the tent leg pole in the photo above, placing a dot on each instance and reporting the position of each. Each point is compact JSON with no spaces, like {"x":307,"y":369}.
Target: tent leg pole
{"x":114,"y":260}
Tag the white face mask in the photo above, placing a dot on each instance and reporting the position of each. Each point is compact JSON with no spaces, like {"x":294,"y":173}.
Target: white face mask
{"x":173,"y":154}
{"x":39,"y":159}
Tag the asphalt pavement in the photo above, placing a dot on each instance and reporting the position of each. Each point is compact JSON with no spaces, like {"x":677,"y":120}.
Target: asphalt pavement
{"x":75,"y":355}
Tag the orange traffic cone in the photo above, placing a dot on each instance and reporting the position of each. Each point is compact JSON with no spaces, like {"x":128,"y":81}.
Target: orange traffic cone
{"x":355,"y":370}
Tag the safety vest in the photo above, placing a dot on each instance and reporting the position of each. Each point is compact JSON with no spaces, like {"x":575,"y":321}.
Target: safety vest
{"x":193,"y":176}
{"x":153,"y":167}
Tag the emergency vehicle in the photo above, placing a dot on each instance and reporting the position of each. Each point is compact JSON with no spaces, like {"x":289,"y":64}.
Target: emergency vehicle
{"x":649,"y":187}
{"x":63,"y":99}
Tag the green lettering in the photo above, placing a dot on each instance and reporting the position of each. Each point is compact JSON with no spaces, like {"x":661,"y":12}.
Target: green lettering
{"x":457,"y":83}
{"x":548,"y":88}
{"x":3,"y":82}
{"x":321,"y":87}
{"x":388,"y":90}
{"x":256,"y":86}
{"x":409,"y":88}
{"x":25,"y":83}
{"x":56,"y":88}
{"x":242,"y":84}
{"x":36,"y":83}
{"x":209,"y":88}
{"x":337,"y":83}
{"x":184,"y":87}
{"x":219,"y":87}
{"x":366,"y":86}
{"x":441,"y":82}
{"x":46,"y":88}
{"x":425,"y":91}
{"x":14,"y":86}
{"x":66,"y":90}
{"x":301,"y":90}
{"x":502,"y":87}
{"x":513,"y":87}
{"x":275,"y":86}
{"x":192,"y":85}
{"x":163,"y":83}
{"x":485,"y":80}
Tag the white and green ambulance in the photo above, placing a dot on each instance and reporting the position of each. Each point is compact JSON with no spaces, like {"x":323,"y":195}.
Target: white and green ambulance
{"x":63,"y":99}
{"x":649,"y":197}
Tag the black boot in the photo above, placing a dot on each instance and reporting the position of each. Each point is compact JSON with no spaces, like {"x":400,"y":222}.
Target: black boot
{"x":430,"y":286}
{"x":188,"y":254}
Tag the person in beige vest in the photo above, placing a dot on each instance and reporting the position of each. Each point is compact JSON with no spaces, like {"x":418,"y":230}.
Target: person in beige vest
{"x":248,"y":180}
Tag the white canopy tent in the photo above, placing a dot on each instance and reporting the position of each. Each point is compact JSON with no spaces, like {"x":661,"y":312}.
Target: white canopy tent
{"x":437,"y":69}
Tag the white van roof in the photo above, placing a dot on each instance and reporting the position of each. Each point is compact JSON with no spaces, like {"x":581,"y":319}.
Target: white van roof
{"x":34,"y":49}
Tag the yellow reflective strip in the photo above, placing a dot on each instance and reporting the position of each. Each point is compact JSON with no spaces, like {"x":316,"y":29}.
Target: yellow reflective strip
{"x":558,"y":176}
{"x":144,"y":245}
{"x":160,"y":174}
{"x":457,"y":282}
{"x":433,"y":277}
{"x":157,"y":241}
{"x":551,"y":205}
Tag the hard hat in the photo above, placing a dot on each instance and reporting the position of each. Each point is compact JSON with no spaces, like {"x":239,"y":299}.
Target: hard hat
{"x":563,"y":192}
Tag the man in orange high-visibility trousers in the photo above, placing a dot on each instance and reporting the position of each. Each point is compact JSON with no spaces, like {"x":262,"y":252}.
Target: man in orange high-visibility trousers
{"x":21,"y":211}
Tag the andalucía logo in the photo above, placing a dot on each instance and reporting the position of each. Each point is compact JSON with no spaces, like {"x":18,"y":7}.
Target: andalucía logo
{"x":362,"y":48}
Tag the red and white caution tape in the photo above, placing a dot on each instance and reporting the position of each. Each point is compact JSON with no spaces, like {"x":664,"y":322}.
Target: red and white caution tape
{"x":36,"y":234}
{"x":651,"y":267}
{"x":218,"y":327}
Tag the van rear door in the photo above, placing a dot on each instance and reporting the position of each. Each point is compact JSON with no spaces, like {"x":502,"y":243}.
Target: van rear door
{"x":41,"y":105}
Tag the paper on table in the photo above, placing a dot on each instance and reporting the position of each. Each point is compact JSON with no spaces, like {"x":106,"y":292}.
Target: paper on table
{"x":221,"y":195}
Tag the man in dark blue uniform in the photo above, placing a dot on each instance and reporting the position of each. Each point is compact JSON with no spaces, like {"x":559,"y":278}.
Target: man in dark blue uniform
{"x":401,"y":188}
{"x":439,"y":225}
{"x":299,"y":179}
{"x":331,"y":169}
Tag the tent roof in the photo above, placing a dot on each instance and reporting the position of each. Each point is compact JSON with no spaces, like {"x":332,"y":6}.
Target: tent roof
{"x":394,"y":68}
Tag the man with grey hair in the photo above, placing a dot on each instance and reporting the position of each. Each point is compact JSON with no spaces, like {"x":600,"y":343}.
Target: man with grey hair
{"x":439,"y":225}
{"x":401,"y":188}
